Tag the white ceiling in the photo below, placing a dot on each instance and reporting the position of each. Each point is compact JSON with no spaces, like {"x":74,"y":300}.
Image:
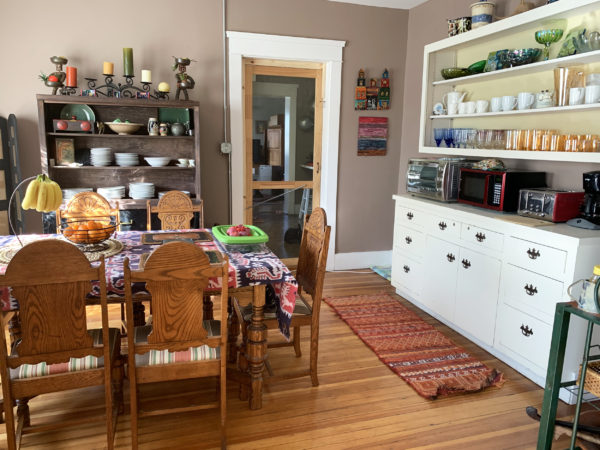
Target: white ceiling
{"x":397,"y":4}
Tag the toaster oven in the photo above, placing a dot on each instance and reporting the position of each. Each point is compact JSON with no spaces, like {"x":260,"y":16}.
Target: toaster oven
{"x":436,"y":179}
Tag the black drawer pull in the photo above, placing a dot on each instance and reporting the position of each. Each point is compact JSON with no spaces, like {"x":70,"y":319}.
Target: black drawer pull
{"x":466,"y":264}
{"x":408,"y":239}
{"x":480,"y":237}
{"x":450,"y":257}
{"x":409,"y":215}
{"x":406,"y":269}
{"x":533,"y":253}
{"x":526,"y":331}
{"x":442,"y":225}
{"x":530,"y":289}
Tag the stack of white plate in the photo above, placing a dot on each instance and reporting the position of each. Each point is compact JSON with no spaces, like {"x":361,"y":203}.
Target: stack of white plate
{"x":112,"y":192}
{"x":101,"y":156}
{"x":161,"y":193}
{"x":141,"y":190}
{"x":127,"y":159}
{"x":68,"y":193}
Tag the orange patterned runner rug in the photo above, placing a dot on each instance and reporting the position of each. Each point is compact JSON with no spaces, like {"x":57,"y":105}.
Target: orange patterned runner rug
{"x":422,"y":356}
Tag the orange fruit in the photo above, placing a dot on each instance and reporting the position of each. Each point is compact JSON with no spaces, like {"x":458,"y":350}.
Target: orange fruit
{"x":93,"y":225}
{"x":96,"y":235}
{"x":68,"y":232}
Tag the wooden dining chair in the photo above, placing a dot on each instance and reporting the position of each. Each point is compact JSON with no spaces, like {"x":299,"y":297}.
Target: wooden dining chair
{"x":87,"y":205}
{"x":56,"y":351}
{"x":175,"y":211}
{"x":310,"y":275}
{"x":180,"y":343}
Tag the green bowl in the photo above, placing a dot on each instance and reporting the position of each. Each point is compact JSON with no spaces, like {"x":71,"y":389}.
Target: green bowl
{"x":477,"y":67}
{"x":455,"y":72}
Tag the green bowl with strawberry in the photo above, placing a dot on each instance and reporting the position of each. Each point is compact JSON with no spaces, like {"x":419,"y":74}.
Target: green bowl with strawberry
{"x":240,"y":234}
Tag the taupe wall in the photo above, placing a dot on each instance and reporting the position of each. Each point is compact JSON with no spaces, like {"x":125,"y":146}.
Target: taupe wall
{"x":33,"y":31}
{"x":427,"y":23}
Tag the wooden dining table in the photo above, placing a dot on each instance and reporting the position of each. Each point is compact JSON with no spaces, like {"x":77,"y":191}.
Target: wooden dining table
{"x":252,"y":268}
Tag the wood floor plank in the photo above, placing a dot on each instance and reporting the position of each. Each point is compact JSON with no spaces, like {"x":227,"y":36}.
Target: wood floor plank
{"x":359,"y":404}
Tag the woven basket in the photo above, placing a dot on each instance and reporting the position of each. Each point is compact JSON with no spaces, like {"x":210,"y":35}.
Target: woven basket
{"x":592,"y":378}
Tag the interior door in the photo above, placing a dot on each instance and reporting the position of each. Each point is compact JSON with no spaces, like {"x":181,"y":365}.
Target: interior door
{"x":283,"y":133}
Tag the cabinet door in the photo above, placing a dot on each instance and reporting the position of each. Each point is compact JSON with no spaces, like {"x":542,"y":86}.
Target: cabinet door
{"x":439,"y":282}
{"x":406,"y":273}
{"x":477,"y":294}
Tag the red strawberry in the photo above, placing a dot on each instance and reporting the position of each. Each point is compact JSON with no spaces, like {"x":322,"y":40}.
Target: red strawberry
{"x":52,"y":78}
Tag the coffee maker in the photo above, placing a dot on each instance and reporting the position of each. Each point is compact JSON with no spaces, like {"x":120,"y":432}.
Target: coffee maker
{"x":590,"y":209}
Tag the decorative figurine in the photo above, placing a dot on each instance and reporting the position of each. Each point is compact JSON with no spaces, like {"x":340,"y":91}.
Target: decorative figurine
{"x":360,"y":96}
{"x":372,"y":93}
{"x":383,"y":100}
{"x":56,"y":79}
{"x":184,"y":81}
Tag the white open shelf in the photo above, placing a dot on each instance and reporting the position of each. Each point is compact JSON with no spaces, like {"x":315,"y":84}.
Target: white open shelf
{"x":581,"y":58}
{"x":554,"y":109}
{"x":580,"y":157}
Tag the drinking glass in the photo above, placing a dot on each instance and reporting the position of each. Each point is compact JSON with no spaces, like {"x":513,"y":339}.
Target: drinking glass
{"x":438,"y":135}
{"x":480,"y":139}
{"x":489,"y":139}
{"x":448,"y":137}
{"x":499,"y":139}
{"x":557,"y":142}
{"x":471,"y":138}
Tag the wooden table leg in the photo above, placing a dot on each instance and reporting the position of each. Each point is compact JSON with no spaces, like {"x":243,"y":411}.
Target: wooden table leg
{"x":257,"y":346}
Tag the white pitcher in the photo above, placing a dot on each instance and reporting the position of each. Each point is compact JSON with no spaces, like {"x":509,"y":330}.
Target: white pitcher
{"x":453,"y":97}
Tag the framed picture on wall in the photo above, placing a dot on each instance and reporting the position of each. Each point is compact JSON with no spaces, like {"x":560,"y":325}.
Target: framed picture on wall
{"x":65,"y":151}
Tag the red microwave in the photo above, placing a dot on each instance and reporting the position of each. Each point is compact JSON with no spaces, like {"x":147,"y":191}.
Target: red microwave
{"x":496,"y":189}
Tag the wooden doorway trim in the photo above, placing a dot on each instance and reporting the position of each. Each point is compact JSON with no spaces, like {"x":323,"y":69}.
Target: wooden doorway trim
{"x":328,"y":52}
{"x":281,"y":68}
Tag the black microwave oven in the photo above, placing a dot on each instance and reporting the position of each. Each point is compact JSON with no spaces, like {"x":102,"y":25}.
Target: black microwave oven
{"x":496,"y":189}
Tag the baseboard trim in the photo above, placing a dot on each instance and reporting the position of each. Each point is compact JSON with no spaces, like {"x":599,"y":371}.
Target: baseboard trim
{"x":362,"y":260}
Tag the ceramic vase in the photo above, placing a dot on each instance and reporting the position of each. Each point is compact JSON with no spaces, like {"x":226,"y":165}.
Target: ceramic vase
{"x":482,"y":13}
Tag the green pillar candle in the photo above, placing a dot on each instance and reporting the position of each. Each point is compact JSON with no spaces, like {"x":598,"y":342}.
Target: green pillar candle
{"x":128,"y":62}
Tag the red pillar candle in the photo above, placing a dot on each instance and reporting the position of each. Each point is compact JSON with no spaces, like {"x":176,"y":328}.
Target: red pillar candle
{"x":71,"y":76}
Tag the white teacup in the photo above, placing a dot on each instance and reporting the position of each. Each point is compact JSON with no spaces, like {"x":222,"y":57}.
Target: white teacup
{"x":482,"y":106}
{"x":509,"y":102}
{"x":576,"y":95}
{"x":462,"y":108}
{"x":592,"y":93}
{"x":452,"y":109}
{"x":525,"y":100}
{"x":470,"y":106}
{"x":183,"y":162}
{"x":496,"y":104}
{"x":192,"y":163}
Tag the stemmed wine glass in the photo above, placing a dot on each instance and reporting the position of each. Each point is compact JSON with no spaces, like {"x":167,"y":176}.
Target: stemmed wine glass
{"x":448,"y":137}
{"x":438,"y":135}
{"x":548,"y":37}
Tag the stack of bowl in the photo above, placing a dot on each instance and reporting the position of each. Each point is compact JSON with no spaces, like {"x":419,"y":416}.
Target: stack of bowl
{"x":68,"y":193}
{"x":141,"y":190}
{"x":112,"y":192}
{"x":127,"y":159}
{"x":101,"y":156}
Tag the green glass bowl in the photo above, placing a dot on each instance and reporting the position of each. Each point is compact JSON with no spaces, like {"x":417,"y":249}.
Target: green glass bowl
{"x":455,"y":72}
{"x":477,"y":67}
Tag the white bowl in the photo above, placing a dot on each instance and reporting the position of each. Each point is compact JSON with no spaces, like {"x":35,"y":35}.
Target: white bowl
{"x":157,"y":161}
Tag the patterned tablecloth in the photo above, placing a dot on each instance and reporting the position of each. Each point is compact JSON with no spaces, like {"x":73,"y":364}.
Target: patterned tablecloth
{"x":249,"y":265}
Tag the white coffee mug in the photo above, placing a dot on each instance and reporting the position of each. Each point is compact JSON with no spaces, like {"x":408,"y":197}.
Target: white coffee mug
{"x":462,"y":108}
{"x":470,"y":107}
{"x":452,"y":109}
{"x":482,"y":106}
{"x":509,"y":102}
{"x":192,"y":163}
{"x":525,"y":100}
{"x":576,"y":95}
{"x":496,"y":104}
{"x":592,"y":93}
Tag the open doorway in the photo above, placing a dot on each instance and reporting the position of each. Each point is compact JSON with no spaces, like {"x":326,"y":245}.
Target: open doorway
{"x":283,"y":129}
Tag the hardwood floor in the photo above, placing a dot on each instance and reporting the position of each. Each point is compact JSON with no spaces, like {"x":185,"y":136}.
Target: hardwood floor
{"x":359,"y":404}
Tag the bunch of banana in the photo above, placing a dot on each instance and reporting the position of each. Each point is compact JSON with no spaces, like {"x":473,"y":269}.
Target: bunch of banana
{"x":43,"y":195}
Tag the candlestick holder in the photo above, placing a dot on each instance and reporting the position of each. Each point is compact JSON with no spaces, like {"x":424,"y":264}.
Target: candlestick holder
{"x":68,"y":90}
{"x":126,"y":90}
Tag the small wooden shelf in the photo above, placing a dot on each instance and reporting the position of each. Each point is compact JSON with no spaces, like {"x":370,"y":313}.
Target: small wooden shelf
{"x":554,"y":109}
{"x":579,"y":157}
{"x":118,"y":136}
{"x":581,"y":58}
{"x":128,"y":168}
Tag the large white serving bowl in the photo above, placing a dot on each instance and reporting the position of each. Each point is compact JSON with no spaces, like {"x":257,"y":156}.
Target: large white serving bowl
{"x":157,"y":161}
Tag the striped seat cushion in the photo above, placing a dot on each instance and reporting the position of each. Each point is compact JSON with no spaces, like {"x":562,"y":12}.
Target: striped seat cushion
{"x":73,"y":365}
{"x":156,"y":357}
{"x":301,"y":308}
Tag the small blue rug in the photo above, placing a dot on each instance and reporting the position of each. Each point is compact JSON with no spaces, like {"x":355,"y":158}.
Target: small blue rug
{"x":384,"y":271}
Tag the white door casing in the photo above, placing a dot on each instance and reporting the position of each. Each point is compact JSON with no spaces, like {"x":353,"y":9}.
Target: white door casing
{"x":329,"y":52}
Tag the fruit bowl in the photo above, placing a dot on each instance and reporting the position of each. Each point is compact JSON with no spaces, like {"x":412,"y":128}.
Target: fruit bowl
{"x":88,"y":231}
{"x":124,"y":127}
{"x":258,"y":236}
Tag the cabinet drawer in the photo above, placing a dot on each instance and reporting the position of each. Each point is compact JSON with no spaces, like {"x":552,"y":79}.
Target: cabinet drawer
{"x":480,"y":236}
{"x":524,"y":335}
{"x":406,"y":273}
{"x":409,"y":241}
{"x":536,"y":257}
{"x":443,"y":227}
{"x":530,"y":292}
{"x":411,"y":218}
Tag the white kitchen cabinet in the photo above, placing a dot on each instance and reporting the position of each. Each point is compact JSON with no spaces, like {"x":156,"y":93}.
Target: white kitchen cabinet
{"x":512,"y":32}
{"x":503,"y":296}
